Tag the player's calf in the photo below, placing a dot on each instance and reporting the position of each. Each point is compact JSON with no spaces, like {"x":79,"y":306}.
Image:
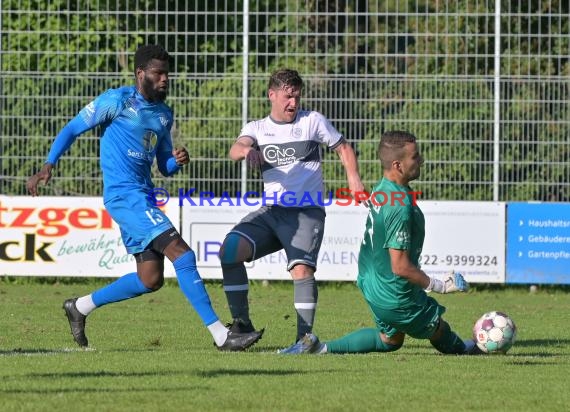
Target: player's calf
{"x":446,"y":341}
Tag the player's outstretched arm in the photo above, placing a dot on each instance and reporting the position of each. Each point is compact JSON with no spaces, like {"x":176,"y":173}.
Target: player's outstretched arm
{"x":403,"y":267}
{"x":62,"y":142}
{"x":44,"y":175}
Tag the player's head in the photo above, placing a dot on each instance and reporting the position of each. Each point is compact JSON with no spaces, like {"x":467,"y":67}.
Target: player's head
{"x":284,"y":91}
{"x":151,"y":72}
{"x":399,"y":155}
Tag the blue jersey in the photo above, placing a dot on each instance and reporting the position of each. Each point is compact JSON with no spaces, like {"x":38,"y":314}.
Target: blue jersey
{"x":134,"y":132}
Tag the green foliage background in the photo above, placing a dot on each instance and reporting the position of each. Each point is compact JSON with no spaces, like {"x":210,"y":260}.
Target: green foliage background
{"x":342,"y":48}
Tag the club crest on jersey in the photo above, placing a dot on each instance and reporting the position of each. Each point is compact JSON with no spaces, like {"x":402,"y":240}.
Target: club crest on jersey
{"x":297,"y":132}
{"x":149,"y":140}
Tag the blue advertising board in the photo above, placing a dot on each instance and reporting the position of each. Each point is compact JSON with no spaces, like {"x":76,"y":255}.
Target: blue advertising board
{"x":538,"y":243}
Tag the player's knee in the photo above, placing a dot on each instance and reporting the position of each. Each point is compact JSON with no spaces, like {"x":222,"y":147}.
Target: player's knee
{"x":152,"y":280}
{"x":441,"y":330}
{"x":156,"y":285}
{"x":390,"y":344}
{"x":300,"y":271}
{"x":230,"y":251}
{"x":150,"y":269}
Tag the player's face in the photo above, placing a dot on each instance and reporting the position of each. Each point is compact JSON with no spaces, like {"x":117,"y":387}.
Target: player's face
{"x":285,"y":103}
{"x":153,"y":81}
{"x":411,"y":162}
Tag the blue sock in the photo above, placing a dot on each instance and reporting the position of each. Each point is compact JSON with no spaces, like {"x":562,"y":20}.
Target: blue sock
{"x":126,"y":287}
{"x":193,"y":288}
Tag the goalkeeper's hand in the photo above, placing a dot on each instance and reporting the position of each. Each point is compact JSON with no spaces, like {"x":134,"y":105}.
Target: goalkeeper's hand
{"x":454,"y":282}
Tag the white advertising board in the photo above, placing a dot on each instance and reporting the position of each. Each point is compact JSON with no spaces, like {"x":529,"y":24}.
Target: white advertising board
{"x":64,"y":236}
{"x":468,"y":237}
{"x":75,"y":236}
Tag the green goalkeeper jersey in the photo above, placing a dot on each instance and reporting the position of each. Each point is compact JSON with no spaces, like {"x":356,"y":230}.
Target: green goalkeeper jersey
{"x":394,"y":222}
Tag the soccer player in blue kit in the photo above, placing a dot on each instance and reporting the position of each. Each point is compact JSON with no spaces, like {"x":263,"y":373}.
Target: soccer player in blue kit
{"x":135,"y":124}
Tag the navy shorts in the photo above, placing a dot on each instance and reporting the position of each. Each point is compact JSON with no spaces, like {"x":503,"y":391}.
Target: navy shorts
{"x":299,"y":231}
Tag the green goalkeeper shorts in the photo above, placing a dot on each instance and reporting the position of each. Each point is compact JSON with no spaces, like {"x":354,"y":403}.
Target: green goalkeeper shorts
{"x":418,"y":321}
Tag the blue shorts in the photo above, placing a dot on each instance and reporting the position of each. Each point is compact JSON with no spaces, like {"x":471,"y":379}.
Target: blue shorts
{"x":138,"y":218}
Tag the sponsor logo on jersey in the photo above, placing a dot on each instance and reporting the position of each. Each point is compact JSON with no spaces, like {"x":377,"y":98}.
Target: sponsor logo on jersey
{"x":140,"y":155}
{"x":279,"y":156}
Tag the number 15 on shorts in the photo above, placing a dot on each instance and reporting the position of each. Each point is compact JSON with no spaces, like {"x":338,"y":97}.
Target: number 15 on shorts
{"x":155,"y":216}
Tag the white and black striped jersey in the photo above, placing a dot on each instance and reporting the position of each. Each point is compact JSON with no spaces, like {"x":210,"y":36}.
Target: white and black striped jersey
{"x":291,"y":153}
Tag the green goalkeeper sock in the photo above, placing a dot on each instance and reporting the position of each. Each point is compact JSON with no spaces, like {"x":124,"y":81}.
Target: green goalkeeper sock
{"x":449,"y":342}
{"x":360,"y":341}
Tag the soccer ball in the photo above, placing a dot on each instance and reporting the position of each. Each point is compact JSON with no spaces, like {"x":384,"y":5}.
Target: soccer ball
{"x":494,"y":332}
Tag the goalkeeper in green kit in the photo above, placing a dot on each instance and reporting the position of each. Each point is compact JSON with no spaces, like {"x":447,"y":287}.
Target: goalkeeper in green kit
{"x":389,"y":276}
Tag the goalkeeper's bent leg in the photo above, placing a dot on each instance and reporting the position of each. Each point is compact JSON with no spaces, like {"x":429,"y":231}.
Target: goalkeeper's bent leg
{"x":446,"y":341}
{"x":361,"y":341}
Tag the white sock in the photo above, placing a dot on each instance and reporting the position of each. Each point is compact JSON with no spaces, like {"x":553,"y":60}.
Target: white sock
{"x":85,"y":305}
{"x":219,"y":332}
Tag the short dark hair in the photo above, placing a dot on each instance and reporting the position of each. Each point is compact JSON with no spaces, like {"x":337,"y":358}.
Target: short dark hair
{"x":146,"y":53}
{"x":391,"y":146}
{"x":285,"y":78}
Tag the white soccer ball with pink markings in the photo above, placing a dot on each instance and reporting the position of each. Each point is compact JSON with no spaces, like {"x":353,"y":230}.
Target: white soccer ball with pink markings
{"x":495,"y":332}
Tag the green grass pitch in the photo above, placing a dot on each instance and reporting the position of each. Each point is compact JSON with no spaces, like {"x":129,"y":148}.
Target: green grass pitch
{"x":153,"y":354}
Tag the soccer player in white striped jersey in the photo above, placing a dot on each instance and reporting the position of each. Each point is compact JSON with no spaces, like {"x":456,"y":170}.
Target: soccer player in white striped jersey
{"x":286,"y":146}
